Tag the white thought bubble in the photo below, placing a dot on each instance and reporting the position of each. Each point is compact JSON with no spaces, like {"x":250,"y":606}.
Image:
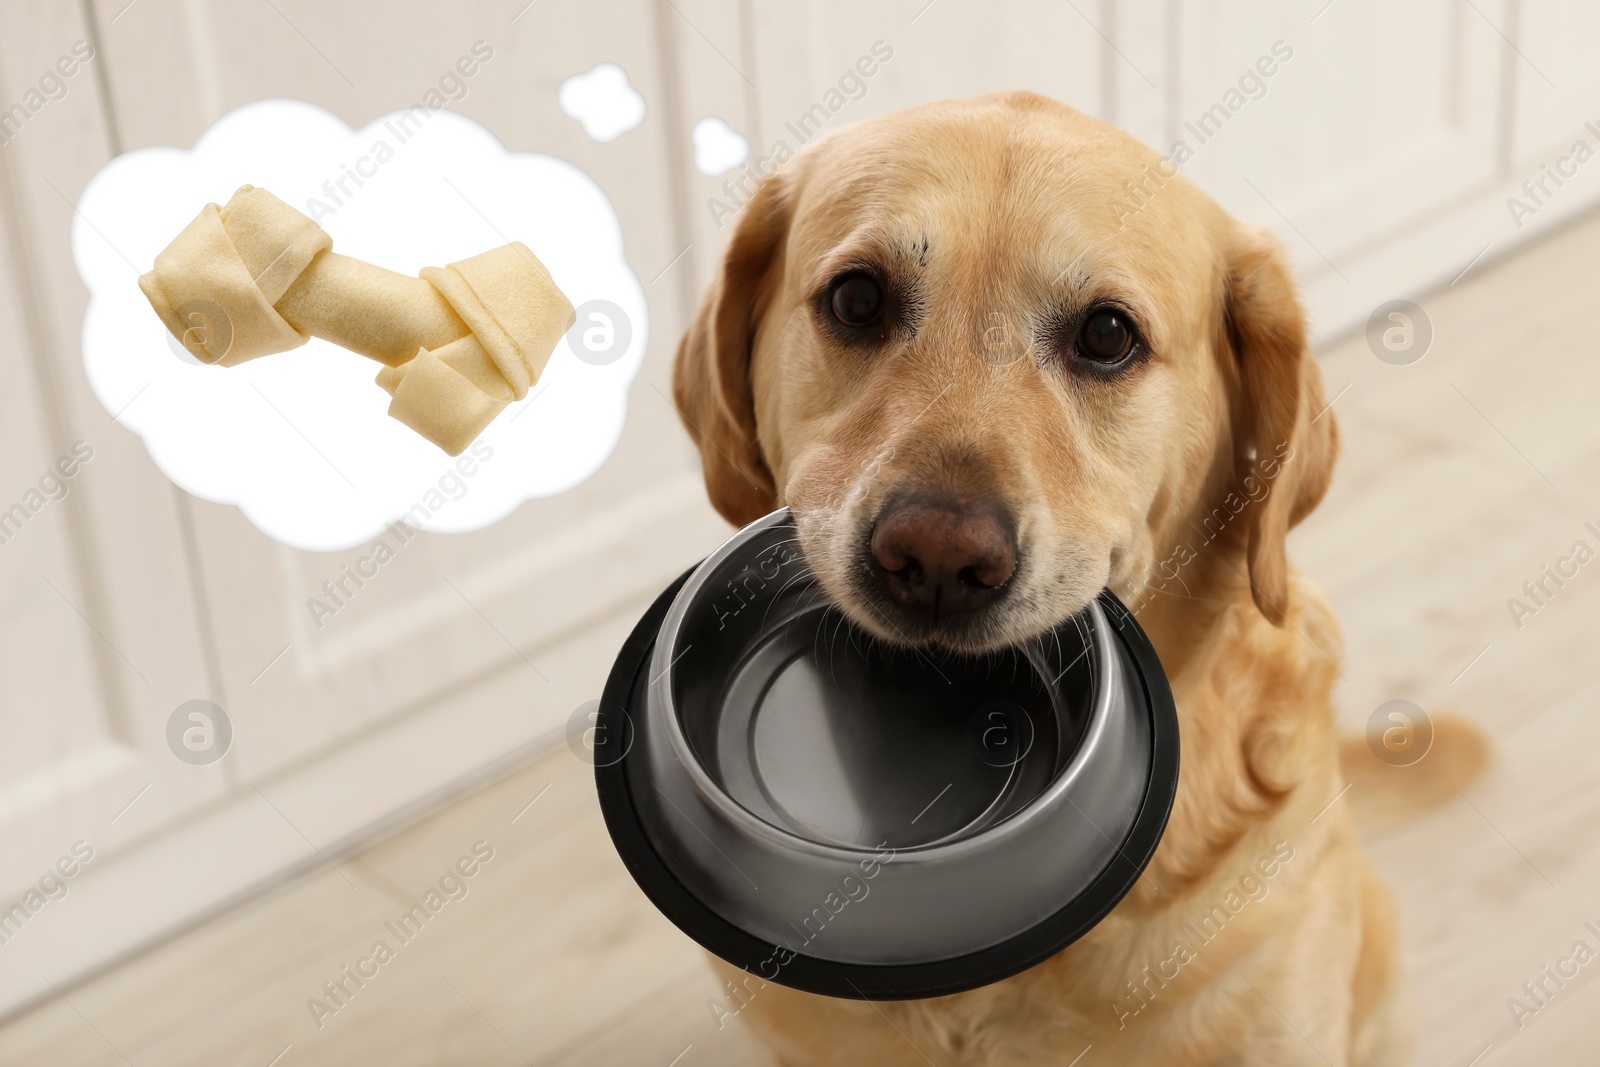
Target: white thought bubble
{"x":300,"y":440}
{"x":718,"y":147}
{"x":603,"y":101}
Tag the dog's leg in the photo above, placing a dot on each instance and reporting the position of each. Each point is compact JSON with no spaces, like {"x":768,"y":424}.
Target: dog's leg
{"x":1380,"y":1035}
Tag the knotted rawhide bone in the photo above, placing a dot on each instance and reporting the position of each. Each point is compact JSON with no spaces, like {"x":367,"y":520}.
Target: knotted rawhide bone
{"x":459,"y":343}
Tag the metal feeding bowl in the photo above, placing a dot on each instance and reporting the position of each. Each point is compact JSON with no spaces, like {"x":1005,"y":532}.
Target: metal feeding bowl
{"x":850,"y":818}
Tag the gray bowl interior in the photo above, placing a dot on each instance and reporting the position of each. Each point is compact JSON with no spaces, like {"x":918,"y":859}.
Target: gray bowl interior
{"x":821,"y":730}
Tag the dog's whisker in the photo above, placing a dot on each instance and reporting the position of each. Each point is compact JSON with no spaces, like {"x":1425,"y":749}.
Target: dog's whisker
{"x":806,"y":577}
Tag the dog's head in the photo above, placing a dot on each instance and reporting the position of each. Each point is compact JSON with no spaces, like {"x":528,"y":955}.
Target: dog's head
{"x":995,"y":356}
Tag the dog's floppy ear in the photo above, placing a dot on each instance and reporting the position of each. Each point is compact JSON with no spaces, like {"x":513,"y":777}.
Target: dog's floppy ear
{"x":1284,"y":435}
{"x":711,"y":379}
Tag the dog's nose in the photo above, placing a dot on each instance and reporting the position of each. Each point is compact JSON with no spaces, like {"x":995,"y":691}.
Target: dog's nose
{"x":943,"y":557}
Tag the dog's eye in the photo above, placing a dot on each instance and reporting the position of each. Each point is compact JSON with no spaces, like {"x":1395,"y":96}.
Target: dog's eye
{"x":1107,"y":337}
{"x":856,"y":300}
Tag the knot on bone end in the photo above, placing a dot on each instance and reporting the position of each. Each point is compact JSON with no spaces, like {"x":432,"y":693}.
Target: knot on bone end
{"x":448,"y":395}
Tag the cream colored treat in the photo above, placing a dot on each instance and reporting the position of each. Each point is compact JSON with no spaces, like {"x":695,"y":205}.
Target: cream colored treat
{"x":458,"y":344}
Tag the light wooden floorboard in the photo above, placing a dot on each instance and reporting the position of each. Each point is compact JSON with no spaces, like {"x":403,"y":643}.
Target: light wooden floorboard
{"x":488,"y":980}
{"x":1461,"y":476}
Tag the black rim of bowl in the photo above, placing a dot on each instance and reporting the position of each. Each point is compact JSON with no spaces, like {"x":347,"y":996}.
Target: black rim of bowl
{"x":859,"y":981}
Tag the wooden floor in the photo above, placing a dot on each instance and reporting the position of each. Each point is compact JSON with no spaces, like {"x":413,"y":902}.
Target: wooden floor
{"x":1462,"y":476}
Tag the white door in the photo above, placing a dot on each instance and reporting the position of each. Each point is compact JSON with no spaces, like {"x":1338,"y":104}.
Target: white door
{"x":129,"y":598}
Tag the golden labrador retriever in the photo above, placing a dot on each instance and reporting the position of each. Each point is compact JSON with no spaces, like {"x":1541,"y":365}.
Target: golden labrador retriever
{"x":995,"y":356}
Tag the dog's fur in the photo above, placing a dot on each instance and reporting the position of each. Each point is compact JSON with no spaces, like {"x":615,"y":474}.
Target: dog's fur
{"x":1010,"y":212}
